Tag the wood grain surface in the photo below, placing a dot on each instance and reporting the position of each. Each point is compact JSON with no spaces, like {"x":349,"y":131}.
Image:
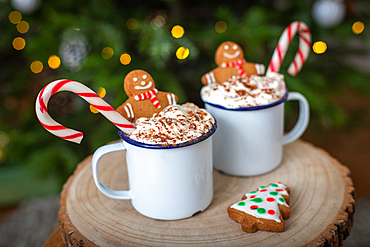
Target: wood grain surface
{"x":322,"y":206}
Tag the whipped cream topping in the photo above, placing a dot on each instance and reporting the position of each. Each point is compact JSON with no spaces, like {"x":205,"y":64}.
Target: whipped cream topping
{"x":174,"y":124}
{"x":240,"y":92}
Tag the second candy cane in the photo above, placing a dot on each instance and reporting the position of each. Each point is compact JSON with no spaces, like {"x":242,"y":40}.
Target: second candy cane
{"x":283,"y":45}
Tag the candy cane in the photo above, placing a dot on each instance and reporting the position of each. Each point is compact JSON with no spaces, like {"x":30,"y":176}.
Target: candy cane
{"x":87,"y":94}
{"x":283,"y":44}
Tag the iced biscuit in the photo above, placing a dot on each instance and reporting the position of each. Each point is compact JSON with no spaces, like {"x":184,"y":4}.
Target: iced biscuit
{"x":263,"y":209}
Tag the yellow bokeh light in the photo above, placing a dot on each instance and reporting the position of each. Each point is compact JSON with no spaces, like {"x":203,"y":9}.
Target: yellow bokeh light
{"x":177,"y":31}
{"x":220,"y":26}
{"x":182,"y":53}
{"x":102,"y":92}
{"x":19,"y":43}
{"x":125,"y":59}
{"x":15,"y":17}
{"x":54,"y":62}
{"x":36,"y":67}
{"x":23,"y":27}
{"x":319,"y":47}
{"x":2,"y":155}
{"x":107,"y":52}
{"x":93,"y":109}
{"x":358,"y":27}
{"x":132,"y":23}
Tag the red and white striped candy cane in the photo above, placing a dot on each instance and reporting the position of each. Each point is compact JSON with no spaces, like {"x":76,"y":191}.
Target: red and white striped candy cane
{"x":87,"y":94}
{"x":283,"y":44}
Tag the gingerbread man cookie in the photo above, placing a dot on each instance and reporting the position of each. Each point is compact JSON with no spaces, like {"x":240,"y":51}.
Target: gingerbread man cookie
{"x":230,"y":60}
{"x":144,"y":99}
{"x":263,"y":209}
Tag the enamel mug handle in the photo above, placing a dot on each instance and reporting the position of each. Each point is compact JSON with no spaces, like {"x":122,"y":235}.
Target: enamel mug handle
{"x":115,"y":194}
{"x":303,"y":118}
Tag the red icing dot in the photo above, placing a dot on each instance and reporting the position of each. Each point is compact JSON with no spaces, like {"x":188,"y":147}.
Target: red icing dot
{"x":254,"y":207}
{"x":279,"y":182}
{"x":270,"y":199}
{"x":279,"y":190}
{"x":263,"y":190}
{"x":272,"y":212}
{"x":251,"y":197}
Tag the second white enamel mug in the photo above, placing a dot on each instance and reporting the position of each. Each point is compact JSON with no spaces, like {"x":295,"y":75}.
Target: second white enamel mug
{"x":249,"y":141}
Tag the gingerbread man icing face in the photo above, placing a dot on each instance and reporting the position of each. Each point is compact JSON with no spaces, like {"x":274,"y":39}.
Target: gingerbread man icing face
{"x":228,"y":52}
{"x":137,"y":82}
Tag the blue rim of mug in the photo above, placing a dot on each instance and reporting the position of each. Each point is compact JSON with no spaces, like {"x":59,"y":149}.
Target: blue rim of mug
{"x":252,"y":108}
{"x":127,"y":139}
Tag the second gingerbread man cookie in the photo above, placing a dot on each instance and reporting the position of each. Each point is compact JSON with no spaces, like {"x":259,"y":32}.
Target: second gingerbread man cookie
{"x":144,"y":99}
{"x":230,"y":60}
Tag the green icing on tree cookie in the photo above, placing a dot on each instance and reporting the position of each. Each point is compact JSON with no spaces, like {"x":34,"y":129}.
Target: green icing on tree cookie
{"x":258,"y":200}
{"x":261,"y":210}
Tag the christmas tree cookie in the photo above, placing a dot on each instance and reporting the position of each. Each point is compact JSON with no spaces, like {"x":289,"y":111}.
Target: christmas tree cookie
{"x":263,"y":209}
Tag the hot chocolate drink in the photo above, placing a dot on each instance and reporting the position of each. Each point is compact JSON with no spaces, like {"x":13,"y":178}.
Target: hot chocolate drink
{"x":240,"y":92}
{"x":174,"y":124}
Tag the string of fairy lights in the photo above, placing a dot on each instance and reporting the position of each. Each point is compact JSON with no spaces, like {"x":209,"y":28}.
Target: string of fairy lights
{"x":177,"y":31}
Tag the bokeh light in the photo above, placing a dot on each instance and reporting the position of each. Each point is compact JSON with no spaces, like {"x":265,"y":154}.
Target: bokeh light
{"x":101,"y":92}
{"x":182,"y":53}
{"x":4,"y":139}
{"x":15,"y":17}
{"x":158,"y":21}
{"x":23,"y":27}
{"x":125,"y":59}
{"x":132,"y":23}
{"x":50,"y":13}
{"x":358,"y":27}
{"x":107,"y":53}
{"x":220,"y":26}
{"x":93,"y":109}
{"x":2,"y":156}
{"x":36,"y":67}
{"x":319,"y":47}
{"x":54,"y":62}
{"x":19,"y":43}
{"x":177,"y":31}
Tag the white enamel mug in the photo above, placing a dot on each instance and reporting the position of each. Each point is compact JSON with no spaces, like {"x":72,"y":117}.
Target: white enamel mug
{"x":249,"y":141}
{"x":166,"y":182}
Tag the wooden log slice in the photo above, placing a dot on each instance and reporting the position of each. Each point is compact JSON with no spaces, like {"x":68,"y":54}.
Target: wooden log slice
{"x":322,"y":207}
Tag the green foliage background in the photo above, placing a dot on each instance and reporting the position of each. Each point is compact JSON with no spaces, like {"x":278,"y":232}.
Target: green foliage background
{"x":34,"y":162}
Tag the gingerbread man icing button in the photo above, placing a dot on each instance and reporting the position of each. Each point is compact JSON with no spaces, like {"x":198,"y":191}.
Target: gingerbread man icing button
{"x":144,"y":99}
{"x":230,"y":60}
